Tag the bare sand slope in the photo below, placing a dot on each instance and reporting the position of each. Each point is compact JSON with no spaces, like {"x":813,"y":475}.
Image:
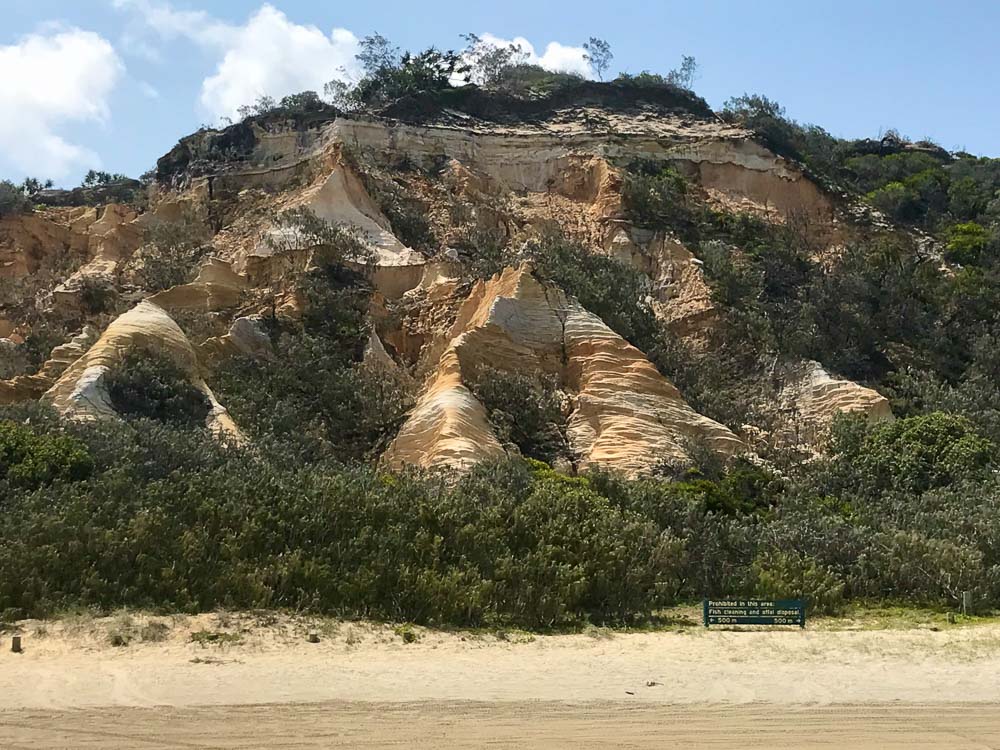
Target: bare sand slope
{"x":362,"y":686}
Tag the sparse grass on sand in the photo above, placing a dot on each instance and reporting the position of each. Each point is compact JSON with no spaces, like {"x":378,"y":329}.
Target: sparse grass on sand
{"x":125,"y":629}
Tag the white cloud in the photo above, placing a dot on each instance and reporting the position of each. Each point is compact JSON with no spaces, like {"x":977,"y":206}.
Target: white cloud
{"x":272,"y":56}
{"x":148,"y":90}
{"x":557,"y":57}
{"x":169,"y":23}
{"x":268,"y":55}
{"x":49,"y":79}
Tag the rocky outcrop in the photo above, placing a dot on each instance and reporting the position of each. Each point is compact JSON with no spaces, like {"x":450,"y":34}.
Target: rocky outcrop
{"x":217,"y":287}
{"x":81,"y":392}
{"x":742,"y":175}
{"x":32,"y":242}
{"x":114,"y":232}
{"x":813,"y":397}
{"x":31,"y":387}
{"x":624,"y":415}
{"x":339,"y":197}
{"x":559,"y":169}
{"x":246,"y":336}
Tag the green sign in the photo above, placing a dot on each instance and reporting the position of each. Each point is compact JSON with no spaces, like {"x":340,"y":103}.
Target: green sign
{"x":755,"y":612}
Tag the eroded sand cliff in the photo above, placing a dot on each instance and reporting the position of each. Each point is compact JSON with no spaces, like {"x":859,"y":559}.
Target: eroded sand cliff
{"x":435,"y":326}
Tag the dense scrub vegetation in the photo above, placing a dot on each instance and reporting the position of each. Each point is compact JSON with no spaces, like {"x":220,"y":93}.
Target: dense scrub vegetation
{"x":146,"y":514}
{"x":484,"y":77}
{"x":880,"y":311}
{"x":147,"y":384}
{"x":171,"y":250}
{"x":17,"y":199}
{"x":525,"y":410}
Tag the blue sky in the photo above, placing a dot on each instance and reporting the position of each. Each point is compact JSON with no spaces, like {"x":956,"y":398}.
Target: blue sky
{"x":114,"y":83}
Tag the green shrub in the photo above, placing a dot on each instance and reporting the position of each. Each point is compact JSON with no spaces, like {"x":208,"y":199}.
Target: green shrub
{"x":782,"y":575}
{"x":767,"y":118}
{"x":966,"y":243}
{"x":913,"y":454}
{"x":907,"y":564}
{"x":618,"y":294}
{"x":171,"y":253}
{"x":485,"y":253}
{"x":148,"y":384}
{"x":29,"y":460}
{"x":97,"y":295}
{"x":315,"y":398}
{"x":657,"y":197}
{"x":313,"y":401}
{"x":390,"y":74}
{"x":682,"y":77}
{"x":238,"y":531}
{"x":525,"y":410}
{"x":407,"y":632}
{"x":529,"y":81}
{"x":13,"y":199}
{"x":407,"y":215}
{"x":164,"y":518}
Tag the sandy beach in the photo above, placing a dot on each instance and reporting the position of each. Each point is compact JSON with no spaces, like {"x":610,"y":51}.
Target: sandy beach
{"x":242,"y":681}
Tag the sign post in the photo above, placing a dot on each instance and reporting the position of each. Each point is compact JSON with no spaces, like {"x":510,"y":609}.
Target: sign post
{"x":754,"y":612}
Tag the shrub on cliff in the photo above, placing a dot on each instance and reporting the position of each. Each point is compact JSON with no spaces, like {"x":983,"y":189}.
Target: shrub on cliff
{"x":147,"y":384}
{"x":966,"y":243}
{"x":390,"y":74}
{"x":766,"y":117}
{"x":525,"y":410}
{"x":13,"y":199}
{"x":657,"y":197}
{"x":171,"y":253}
{"x":618,"y":294}
{"x":316,"y":399}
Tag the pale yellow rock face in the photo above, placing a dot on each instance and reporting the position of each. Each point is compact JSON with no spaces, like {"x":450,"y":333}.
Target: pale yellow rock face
{"x":745,"y":176}
{"x":815,"y":397}
{"x":681,"y":297}
{"x":519,"y":179}
{"x":625,"y":415}
{"x":22,"y":388}
{"x":245,"y":336}
{"x":339,"y":197}
{"x":30,"y":242}
{"x":80,"y":393}
{"x":217,"y":287}
{"x":114,"y":233}
{"x":31,"y":387}
{"x":448,"y":428}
